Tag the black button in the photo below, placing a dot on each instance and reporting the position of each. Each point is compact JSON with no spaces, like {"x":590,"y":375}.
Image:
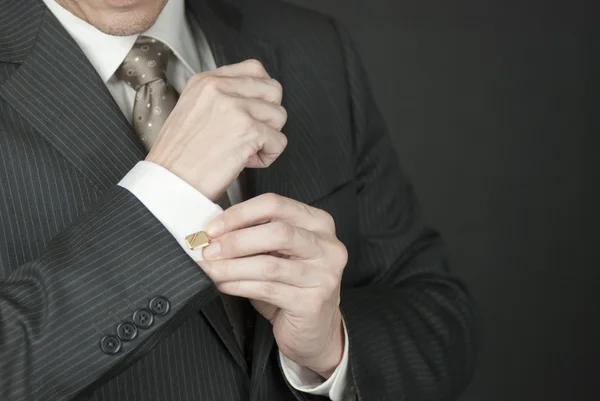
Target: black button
{"x":143,"y":318}
{"x":110,"y":345}
{"x":127,"y":331}
{"x":160,"y":306}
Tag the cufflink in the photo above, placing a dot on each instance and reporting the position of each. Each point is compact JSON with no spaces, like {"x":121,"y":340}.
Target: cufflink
{"x":197,"y":240}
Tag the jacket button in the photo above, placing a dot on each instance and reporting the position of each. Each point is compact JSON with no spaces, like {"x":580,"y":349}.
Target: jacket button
{"x":143,"y":318}
{"x":110,"y":345}
{"x":159,"y":306}
{"x":127,"y":331}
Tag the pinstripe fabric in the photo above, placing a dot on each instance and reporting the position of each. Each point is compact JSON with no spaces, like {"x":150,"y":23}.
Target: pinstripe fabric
{"x":18,"y":22}
{"x":78,"y":254}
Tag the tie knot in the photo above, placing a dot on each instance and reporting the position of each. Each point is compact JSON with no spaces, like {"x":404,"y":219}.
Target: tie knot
{"x":146,"y":62}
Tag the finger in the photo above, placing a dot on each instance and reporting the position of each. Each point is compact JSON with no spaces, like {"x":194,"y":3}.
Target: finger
{"x":251,"y":67}
{"x":271,"y":237}
{"x":266,"y":89}
{"x":274,"y":115}
{"x":265,"y":146}
{"x":273,"y":145}
{"x":263,"y":268}
{"x":271,"y":207}
{"x":284,"y":296}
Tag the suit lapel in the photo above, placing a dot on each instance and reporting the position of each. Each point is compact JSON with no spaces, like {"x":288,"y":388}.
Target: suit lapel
{"x":216,"y":315}
{"x":58,"y":91}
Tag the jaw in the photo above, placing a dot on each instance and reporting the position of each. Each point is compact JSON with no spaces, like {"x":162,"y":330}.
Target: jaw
{"x":116,"y":17}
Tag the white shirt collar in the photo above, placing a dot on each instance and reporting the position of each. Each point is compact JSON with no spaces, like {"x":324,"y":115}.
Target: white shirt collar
{"x":106,"y":52}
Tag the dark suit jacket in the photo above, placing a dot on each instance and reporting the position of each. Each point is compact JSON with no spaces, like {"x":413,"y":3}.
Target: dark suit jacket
{"x":79,"y":255}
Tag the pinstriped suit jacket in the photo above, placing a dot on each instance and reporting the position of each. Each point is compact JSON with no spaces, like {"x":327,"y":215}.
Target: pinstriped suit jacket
{"x":79,"y":255}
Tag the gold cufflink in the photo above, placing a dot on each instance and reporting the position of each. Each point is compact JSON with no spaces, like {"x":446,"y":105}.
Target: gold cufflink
{"x":197,"y":240}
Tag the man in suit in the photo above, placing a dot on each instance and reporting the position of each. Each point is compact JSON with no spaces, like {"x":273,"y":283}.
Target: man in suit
{"x":128,"y":129}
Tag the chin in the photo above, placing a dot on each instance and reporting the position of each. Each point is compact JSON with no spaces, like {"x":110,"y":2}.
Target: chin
{"x":127,"y":17}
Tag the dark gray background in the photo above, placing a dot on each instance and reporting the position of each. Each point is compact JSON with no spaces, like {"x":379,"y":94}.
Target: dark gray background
{"x":486,"y":104}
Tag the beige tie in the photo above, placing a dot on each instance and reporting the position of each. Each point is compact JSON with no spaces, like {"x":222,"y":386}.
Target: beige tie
{"x":144,"y":69}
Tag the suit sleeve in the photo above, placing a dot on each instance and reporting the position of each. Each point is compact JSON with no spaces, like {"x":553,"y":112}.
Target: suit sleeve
{"x":116,"y":264}
{"x":410,"y":322}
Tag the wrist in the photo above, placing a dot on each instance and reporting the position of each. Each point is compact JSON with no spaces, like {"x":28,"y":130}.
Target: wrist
{"x":331,"y":358}
{"x":199,"y":186}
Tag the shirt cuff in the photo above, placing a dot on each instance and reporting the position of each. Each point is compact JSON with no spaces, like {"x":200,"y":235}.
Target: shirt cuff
{"x":181,"y":208}
{"x":307,"y":381}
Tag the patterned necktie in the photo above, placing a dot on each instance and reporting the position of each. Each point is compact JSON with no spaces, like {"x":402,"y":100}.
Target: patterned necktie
{"x":144,"y":69}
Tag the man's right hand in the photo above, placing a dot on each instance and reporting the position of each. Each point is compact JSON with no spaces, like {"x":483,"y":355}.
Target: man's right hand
{"x":225,"y":120}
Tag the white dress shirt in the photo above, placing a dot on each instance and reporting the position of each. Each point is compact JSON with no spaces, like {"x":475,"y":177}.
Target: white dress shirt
{"x":175,"y":203}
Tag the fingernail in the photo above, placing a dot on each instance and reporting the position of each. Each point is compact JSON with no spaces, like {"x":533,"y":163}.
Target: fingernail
{"x":212,"y":251}
{"x":215,"y":227}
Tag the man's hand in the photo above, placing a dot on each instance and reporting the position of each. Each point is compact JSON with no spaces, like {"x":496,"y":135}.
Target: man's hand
{"x":285,"y":257}
{"x":225,"y":120}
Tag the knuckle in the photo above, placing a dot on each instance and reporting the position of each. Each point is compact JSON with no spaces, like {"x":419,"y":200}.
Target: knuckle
{"x":196,"y":78}
{"x":190,"y":82}
{"x":224,"y":69}
{"x":207,"y":82}
{"x":282,"y":231}
{"x":271,"y":268}
{"x":327,"y":219}
{"x":282,"y":117}
{"x":341,"y":254}
{"x":227,"y":104}
{"x":330,"y":282}
{"x":277,"y":90}
{"x":254,"y":65}
{"x":283,"y":141}
{"x":277,"y":85}
{"x":272,"y":201}
{"x":268,"y":290}
{"x":194,"y":82}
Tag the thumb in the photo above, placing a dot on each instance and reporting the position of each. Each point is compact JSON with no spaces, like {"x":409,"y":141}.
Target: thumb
{"x":267,"y":310}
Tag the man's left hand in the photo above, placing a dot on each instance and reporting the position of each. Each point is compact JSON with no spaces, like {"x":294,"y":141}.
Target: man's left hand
{"x":285,"y":257}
